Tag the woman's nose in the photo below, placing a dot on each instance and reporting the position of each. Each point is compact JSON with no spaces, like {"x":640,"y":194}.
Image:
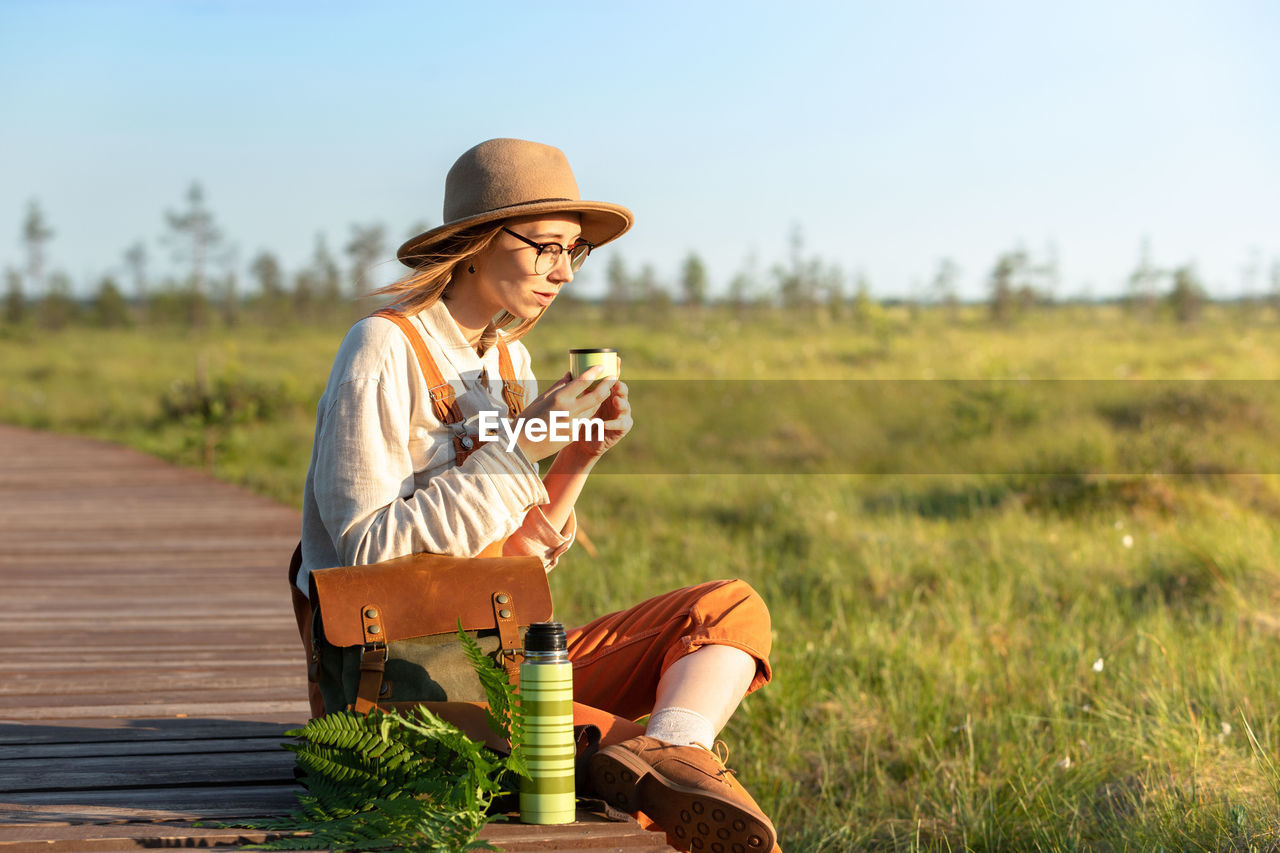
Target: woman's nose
{"x":563,"y":270}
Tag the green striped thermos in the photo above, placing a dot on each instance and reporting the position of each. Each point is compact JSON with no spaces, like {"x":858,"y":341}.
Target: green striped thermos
{"x":546,"y":696}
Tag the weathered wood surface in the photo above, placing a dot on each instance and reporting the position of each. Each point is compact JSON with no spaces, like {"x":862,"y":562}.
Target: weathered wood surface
{"x":150,"y":664}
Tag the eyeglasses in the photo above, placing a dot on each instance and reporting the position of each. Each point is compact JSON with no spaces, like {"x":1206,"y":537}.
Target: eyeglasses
{"x":549,"y":253}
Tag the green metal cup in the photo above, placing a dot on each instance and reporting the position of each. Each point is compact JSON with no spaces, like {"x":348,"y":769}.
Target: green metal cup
{"x":546,"y":698}
{"x":581,"y":360}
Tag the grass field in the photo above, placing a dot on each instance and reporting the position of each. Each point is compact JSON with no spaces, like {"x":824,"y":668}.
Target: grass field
{"x":1041,"y":646}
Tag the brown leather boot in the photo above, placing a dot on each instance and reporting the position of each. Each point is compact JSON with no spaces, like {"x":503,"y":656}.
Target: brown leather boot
{"x":687,"y":791}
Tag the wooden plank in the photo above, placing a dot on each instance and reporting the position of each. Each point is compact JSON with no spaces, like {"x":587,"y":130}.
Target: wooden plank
{"x":117,"y":730}
{"x":124,"y":837}
{"x":144,"y":697}
{"x":164,"y":708}
{"x":127,"y":749}
{"x":84,"y":682}
{"x":96,"y":773}
{"x":148,"y":804}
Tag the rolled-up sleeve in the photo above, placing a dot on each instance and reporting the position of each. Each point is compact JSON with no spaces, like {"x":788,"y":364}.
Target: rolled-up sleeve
{"x":536,"y":537}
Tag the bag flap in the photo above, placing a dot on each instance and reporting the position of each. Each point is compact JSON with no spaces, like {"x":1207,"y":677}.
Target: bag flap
{"x":424,"y":594}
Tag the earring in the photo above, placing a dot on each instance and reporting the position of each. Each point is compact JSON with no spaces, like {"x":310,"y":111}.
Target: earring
{"x":471,"y":268}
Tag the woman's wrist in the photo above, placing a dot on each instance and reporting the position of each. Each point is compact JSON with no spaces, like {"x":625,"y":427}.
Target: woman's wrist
{"x":573,"y":460}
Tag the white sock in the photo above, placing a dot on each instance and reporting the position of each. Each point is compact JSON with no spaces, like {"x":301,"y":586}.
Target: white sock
{"x":681,"y":727}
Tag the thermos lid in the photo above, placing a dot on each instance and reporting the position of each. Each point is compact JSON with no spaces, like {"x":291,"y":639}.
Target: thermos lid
{"x":545,"y":637}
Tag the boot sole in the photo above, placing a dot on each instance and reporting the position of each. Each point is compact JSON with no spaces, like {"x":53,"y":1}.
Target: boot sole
{"x":701,"y":821}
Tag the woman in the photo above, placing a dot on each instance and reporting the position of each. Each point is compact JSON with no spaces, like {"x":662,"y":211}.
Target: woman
{"x":389,"y":477}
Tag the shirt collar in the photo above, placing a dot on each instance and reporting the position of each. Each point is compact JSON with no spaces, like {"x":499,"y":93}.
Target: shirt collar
{"x":439,"y":323}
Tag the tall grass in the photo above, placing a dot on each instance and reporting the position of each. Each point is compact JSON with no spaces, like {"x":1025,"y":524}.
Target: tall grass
{"x":1041,"y":654}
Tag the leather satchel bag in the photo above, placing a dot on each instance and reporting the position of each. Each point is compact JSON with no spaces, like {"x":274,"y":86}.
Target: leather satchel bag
{"x":385,"y":634}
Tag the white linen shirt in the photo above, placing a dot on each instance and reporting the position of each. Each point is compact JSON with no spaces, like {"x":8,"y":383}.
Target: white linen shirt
{"x":384,"y":480}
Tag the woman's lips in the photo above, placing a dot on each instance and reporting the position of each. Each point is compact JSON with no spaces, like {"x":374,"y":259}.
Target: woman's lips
{"x":544,"y":297}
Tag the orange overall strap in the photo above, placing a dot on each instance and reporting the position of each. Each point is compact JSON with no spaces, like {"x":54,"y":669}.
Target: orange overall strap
{"x":512,"y":390}
{"x":442,"y":398}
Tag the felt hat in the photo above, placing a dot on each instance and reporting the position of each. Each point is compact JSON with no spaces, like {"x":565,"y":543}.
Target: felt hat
{"x":505,"y":178}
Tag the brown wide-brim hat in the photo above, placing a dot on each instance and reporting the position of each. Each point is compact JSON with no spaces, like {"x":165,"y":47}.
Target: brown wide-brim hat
{"x":505,"y":178}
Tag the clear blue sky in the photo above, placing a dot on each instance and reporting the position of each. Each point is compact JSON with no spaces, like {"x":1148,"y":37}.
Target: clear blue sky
{"x":893,"y":134}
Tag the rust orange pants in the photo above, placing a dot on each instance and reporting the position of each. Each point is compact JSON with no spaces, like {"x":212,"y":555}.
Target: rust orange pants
{"x":619,"y":658}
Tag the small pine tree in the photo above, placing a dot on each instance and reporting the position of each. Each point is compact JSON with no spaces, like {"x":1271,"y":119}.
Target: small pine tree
{"x":1187,"y":297}
{"x":15,"y":303}
{"x":620,"y":289}
{"x":58,"y":309}
{"x":196,"y":239}
{"x":266,"y":272}
{"x":693,"y":281}
{"x":110,"y":308}
{"x":326,"y":277}
{"x":366,"y":246}
{"x":304,"y":294}
{"x":1003,"y":288}
{"x":135,"y":258}
{"x":35,"y":233}
{"x":1144,"y":283}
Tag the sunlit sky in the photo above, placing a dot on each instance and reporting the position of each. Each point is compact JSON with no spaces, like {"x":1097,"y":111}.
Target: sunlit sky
{"x":891,"y":134}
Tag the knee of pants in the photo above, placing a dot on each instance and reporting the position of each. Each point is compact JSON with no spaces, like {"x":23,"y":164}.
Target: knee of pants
{"x":731,"y":613}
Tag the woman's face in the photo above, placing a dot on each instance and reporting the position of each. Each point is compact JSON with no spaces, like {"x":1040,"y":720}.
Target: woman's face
{"x":505,"y":279}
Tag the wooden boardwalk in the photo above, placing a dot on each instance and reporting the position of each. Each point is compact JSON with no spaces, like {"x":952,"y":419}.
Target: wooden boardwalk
{"x":150,"y":663}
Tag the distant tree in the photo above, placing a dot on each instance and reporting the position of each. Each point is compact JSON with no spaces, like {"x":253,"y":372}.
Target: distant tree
{"x":325,"y":274}
{"x":269,"y":277}
{"x":1250,"y":274}
{"x":35,"y":234}
{"x":110,"y":308}
{"x":1050,"y":275}
{"x":1144,"y":282}
{"x":366,"y":246}
{"x":1275,"y":283}
{"x":135,"y":258}
{"x":942,"y":288}
{"x":797,"y":282}
{"x":228,"y":286}
{"x":651,"y":292}
{"x":58,"y":309}
{"x":304,"y":294}
{"x":620,"y":290}
{"x":833,"y":287}
{"x":15,"y":304}
{"x":1187,"y":297}
{"x":693,"y":281}
{"x":195,"y":239}
{"x":1004,"y":285}
{"x":1016,"y":285}
{"x":743,"y":286}
{"x":863,"y":304}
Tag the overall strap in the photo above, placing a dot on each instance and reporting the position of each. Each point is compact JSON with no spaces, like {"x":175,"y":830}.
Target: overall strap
{"x":442,"y":397}
{"x":512,"y":390}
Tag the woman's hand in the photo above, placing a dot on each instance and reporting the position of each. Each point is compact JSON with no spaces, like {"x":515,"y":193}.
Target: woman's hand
{"x":615,"y":411}
{"x":570,"y":396}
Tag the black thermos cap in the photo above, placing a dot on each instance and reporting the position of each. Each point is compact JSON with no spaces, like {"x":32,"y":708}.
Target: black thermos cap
{"x":545,"y":637}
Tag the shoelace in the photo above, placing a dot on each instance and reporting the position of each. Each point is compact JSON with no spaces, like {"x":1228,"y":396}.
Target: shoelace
{"x":720,"y":750}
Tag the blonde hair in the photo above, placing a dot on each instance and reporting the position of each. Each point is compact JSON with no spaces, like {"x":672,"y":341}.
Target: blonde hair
{"x":437,"y":266}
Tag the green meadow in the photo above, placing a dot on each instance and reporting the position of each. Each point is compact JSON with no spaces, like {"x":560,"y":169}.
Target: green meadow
{"x":1023,"y":577}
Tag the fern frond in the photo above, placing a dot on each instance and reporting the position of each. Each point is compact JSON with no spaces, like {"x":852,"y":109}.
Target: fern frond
{"x":408,"y":782}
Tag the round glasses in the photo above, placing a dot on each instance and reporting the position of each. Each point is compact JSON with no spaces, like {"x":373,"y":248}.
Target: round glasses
{"x":549,"y":253}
